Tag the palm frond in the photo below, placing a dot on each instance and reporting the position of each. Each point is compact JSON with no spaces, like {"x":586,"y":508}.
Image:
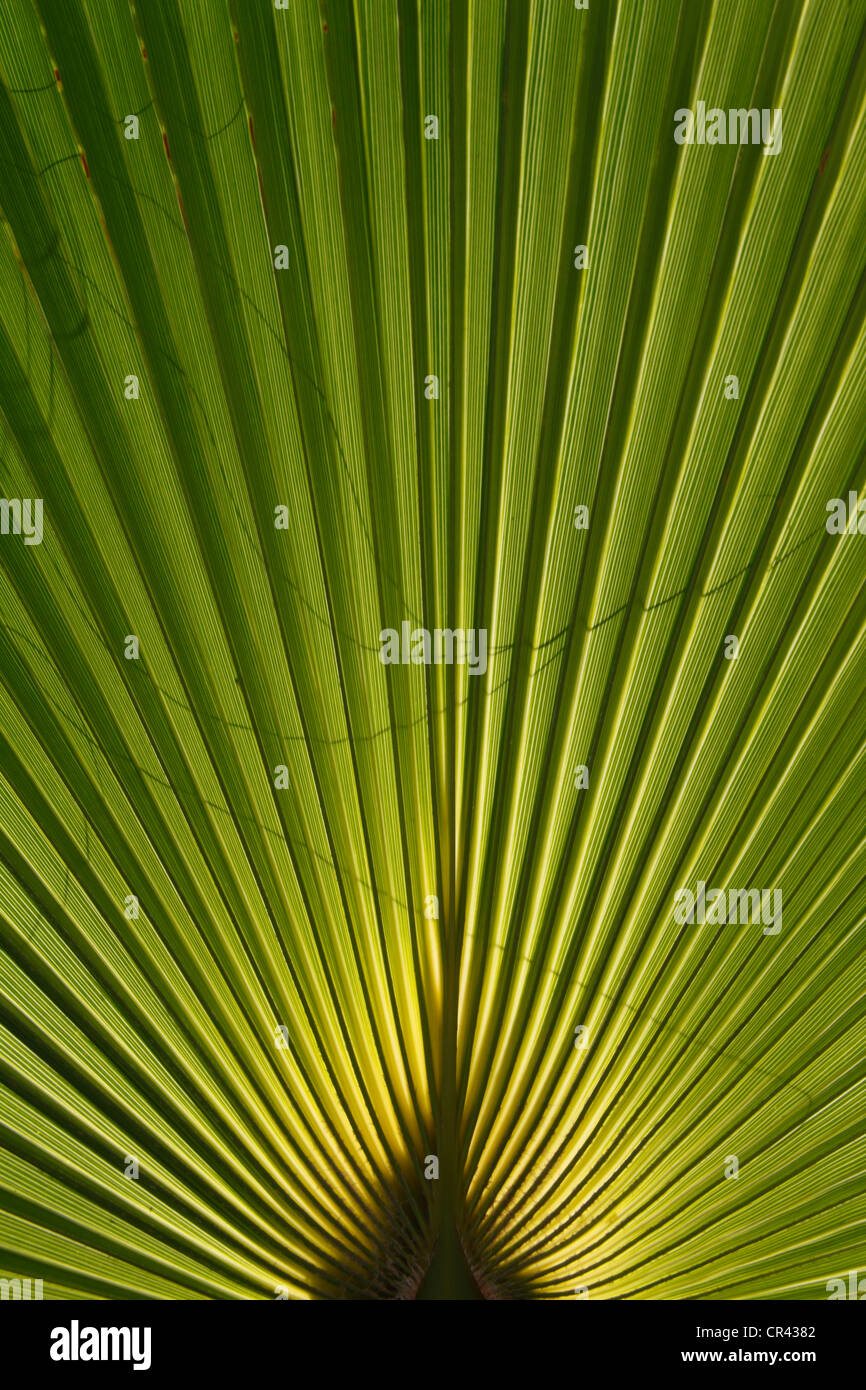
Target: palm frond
{"x":296,"y":347}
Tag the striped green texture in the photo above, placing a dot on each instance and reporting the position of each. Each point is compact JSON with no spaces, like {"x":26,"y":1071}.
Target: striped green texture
{"x":290,"y":1029}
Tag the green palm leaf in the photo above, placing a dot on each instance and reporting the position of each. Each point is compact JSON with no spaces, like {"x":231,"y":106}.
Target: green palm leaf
{"x":289,"y":364}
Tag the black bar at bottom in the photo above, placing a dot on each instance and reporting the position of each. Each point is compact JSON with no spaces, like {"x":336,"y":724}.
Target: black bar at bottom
{"x":309,"y":1340}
